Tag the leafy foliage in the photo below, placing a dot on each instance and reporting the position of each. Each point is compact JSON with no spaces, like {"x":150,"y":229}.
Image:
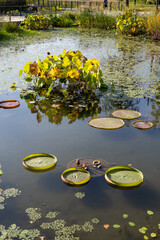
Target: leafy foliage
{"x":34,"y":22}
{"x":68,"y":74}
{"x":153,"y":26}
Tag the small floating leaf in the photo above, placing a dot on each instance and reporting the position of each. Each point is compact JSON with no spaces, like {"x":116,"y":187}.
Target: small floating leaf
{"x":142,"y":124}
{"x":145,"y":237}
{"x":116,"y":226}
{"x":132,"y":224}
{"x":158,"y":225}
{"x":95,"y":220}
{"x":153,"y":235}
{"x":150,"y":212}
{"x":143,"y":230}
{"x":125,"y":215}
{"x":80,"y":195}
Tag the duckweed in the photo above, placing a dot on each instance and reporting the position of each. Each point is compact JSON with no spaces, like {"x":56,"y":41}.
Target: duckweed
{"x":11,"y":192}
{"x":88,"y":227}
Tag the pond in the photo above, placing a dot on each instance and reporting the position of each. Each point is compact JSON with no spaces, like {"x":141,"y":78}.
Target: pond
{"x":132,"y":71}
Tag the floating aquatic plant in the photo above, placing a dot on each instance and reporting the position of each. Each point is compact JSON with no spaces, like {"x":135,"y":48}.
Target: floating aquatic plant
{"x":106,"y":123}
{"x":87,"y":227}
{"x":2,"y":199}
{"x":80,"y":195}
{"x":29,"y":234}
{"x":56,"y":225}
{"x":34,"y":214}
{"x":95,"y":220}
{"x":52,"y":214}
{"x":11,"y":192}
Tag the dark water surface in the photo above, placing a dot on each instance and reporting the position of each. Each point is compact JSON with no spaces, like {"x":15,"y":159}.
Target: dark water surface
{"x":131,"y":69}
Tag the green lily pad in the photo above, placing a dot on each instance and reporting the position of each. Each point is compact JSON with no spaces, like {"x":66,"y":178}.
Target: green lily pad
{"x":73,"y":176}
{"x":124,"y":176}
{"x":39,"y":161}
{"x":126,"y":114}
{"x":142,"y":124}
{"x":106,"y":123}
{"x":116,"y":226}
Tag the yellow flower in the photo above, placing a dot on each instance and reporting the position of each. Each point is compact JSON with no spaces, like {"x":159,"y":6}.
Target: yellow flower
{"x":55,"y":73}
{"x":73,"y":73}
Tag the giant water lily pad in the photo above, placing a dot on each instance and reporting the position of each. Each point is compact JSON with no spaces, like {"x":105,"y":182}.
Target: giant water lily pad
{"x":142,"y":124}
{"x":106,"y":123}
{"x":126,"y":114}
{"x":39,"y":161}
{"x":73,"y":176}
{"x":9,"y":104}
{"x":122,"y":176}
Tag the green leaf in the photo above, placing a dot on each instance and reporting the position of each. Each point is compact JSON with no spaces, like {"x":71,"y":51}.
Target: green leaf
{"x":145,"y":237}
{"x":132,"y":224}
{"x":125,"y":215}
{"x":1,"y":172}
{"x":49,"y":89}
{"x":158,"y":225}
{"x":28,"y":79}
{"x":150,"y":212}
{"x":116,"y":226}
{"x":153,"y":235}
{"x":20,"y":72}
{"x":143,"y":230}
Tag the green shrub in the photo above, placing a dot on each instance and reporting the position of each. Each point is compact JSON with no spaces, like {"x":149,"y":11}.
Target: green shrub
{"x":34,"y":22}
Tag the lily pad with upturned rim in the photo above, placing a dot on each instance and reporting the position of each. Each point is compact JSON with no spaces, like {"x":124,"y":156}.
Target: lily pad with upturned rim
{"x":126,"y":114}
{"x":9,"y":104}
{"x":142,"y":124}
{"x":122,"y":176}
{"x":39,"y":161}
{"x":106,"y":123}
{"x":73,"y":176}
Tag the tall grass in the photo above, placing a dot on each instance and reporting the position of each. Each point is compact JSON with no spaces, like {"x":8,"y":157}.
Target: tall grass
{"x":95,"y":19}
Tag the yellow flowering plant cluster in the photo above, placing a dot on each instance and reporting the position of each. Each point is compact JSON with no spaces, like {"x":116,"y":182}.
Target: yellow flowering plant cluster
{"x":67,"y":73}
{"x":131,"y":24}
{"x":34,"y":22}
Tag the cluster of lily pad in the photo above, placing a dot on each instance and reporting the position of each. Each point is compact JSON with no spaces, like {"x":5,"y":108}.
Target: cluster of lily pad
{"x":34,"y":214}
{"x":7,"y":193}
{"x":15,"y":231}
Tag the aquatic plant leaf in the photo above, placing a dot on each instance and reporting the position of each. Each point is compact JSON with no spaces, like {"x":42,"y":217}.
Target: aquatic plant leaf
{"x":132,"y":224}
{"x":125,"y":215}
{"x":39,"y":161}
{"x":106,"y":226}
{"x":52,"y":214}
{"x":158,"y":225}
{"x":143,"y":230}
{"x":116,"y":226}
{"x":149,"y":212}
{"x":73,"y":176}
{"x":153,"y":235}
{"x":145,"y":237}
{"x":11,"y":192}
{"x":80,"y":195}
{"x":88,"y":227}
{"x":126,"y":114}
{"x":142,"y":124}
{"x":95,"y":220}
{"x":106,"y":123}
{"x":34,"y":214}
{"x":123,"y":176}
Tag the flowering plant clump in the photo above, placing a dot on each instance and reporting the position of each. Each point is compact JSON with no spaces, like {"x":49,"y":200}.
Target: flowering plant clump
{"x":130,"y":23}
{"x":68,"y":73}
{"x":34,"y":22}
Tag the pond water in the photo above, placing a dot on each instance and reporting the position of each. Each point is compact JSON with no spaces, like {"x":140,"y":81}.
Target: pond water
{"x":132,"y":71}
